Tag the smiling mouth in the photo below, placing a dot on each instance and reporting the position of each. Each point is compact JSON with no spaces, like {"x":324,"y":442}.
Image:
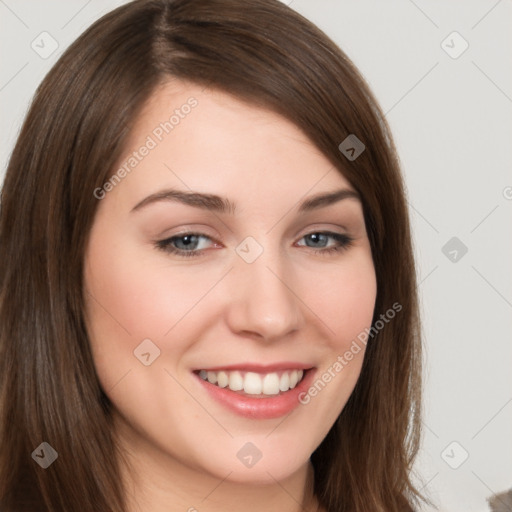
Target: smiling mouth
{"x":253,"y":384}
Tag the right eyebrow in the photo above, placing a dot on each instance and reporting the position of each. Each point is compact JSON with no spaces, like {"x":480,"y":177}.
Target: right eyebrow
{"x":204,"y":201}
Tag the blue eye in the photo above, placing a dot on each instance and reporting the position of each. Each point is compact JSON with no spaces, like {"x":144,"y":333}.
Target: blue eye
{"x":192,"y":244}
{"x":319,"y":242}
{"x":183,"y":245}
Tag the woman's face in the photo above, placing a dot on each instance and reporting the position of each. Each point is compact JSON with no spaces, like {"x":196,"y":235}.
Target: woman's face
{"x":213,"y":257}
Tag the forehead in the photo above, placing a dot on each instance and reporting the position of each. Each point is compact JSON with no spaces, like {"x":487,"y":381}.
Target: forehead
{"x":189,"y":137}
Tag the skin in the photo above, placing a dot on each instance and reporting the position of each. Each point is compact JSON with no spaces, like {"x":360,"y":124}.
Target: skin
{"x":290,"y":304}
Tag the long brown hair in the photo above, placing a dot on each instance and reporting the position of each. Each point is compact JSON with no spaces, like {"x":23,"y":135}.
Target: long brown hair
{"x":264,"y":53}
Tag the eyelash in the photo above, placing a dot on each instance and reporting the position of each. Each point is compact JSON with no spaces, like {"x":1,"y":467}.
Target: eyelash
{"x":345,"y":242}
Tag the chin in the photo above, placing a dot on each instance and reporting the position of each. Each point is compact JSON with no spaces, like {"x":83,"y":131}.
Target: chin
{"x":259,"y":459}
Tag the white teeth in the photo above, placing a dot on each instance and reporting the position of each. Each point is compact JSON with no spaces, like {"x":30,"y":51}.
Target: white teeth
{"x":284,"y":382}
{"x":236,"y":382}
{"x":254,"y":383}
{"x":222,"y":379}
{"x":271,"y":384}
{"x":293,"y":379}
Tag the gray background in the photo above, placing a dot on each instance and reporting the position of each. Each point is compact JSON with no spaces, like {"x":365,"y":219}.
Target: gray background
{"x":451,"y":118}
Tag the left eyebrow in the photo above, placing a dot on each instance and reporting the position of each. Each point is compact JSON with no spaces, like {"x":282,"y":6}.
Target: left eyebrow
{"x":322,"y":200}
{"x":219,"y":204}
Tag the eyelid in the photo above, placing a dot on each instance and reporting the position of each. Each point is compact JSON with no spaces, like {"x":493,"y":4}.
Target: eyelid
{"x":324,"y":227}
{"x":189,"y":229}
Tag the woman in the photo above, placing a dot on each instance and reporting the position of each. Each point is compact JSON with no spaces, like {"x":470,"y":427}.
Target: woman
{"x":208,"y":298}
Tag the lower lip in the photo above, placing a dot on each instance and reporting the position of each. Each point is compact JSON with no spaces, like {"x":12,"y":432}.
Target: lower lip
{"x":260,"y":408}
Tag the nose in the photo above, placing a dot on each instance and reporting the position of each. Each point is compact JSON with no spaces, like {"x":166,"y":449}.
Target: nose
{"x":263,"y":302}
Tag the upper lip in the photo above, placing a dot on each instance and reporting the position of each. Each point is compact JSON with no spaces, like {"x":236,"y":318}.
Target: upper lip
{"x":259,"y":368}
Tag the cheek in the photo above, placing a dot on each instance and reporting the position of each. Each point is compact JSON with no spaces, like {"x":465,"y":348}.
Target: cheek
{"x":344,"y":298}
{"x":131,"y":295}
